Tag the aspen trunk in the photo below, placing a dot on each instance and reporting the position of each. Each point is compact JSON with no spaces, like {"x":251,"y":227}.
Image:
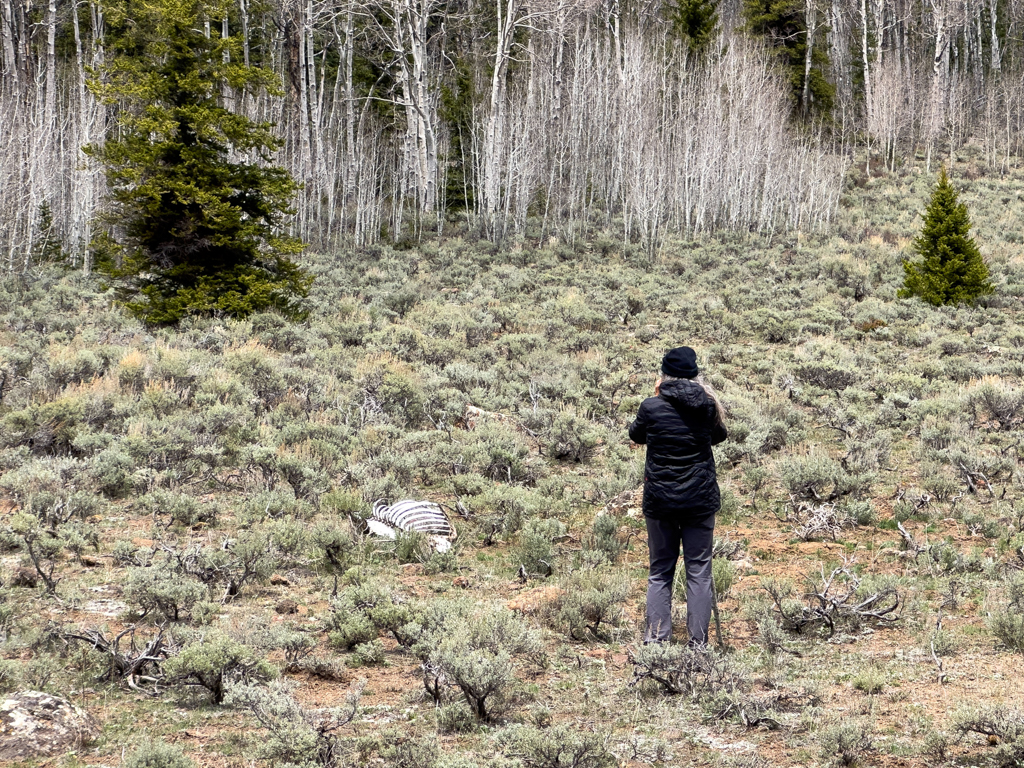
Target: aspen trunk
{"x":494,"y":134}
{"x":49,"y":109}
{"x":23,"y":38}
{"x":300,"y":60}
{"x":350,"y":105}
{"x":940,"y":79}
{"x":79,"y":231}
{"x":243,"y":15}
{"x":995,"y":55}
{"x":292,"y":41}
{"x":226,"y":92}
{"x":7,"y":35}
{"x":314,"y":126}
{"x":811,"y":21}
{"x":865,"y":58}
{"x":411,"y":18}
{"x":426,"y":139}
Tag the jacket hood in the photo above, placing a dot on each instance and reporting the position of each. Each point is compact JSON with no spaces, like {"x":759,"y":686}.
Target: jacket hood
{"x":685,"y":392}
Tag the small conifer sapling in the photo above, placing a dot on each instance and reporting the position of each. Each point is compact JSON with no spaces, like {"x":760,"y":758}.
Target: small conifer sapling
{"x":952,"y":270}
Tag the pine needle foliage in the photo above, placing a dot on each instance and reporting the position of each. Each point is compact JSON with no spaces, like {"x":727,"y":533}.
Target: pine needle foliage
{"x":197,"y":204}
{"x":952,"y":270}
{"x":783,"y":26}
{"x":695,"y":21}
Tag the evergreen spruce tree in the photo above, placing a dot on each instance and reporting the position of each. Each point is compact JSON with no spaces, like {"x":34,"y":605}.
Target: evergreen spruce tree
{"x":952,"y":271}
{"x":695,"y":21}
{"x":198,"y":207}
{"x":46,"y":248}
{"x":783,"y":26}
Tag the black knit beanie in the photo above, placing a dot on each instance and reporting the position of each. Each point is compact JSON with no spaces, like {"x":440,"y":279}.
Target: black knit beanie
{"x":680,"y":362}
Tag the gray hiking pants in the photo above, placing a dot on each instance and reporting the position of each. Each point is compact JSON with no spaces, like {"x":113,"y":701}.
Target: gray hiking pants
{"x":663,"y":539}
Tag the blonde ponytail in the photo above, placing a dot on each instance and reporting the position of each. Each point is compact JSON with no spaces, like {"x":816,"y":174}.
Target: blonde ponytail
{"x":719,"y":409}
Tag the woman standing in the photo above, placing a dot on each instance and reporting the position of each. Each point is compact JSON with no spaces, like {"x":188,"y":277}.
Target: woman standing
{"x":679,"y":425}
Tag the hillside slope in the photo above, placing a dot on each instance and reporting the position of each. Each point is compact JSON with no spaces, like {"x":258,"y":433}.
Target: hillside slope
{"x":210,"y":481}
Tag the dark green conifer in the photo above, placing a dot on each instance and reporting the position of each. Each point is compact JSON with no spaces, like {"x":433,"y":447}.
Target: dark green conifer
{"x":952,"y":270}
{"x":47,"y":247}
{"x":198,"y":206}
{"x":695,"y":21}
{"x":783,"y":25}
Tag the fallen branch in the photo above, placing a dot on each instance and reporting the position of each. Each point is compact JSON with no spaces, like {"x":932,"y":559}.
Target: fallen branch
{"x":831,"y":602}
{"x":972,"y":480}
{"x":126,"y":663}
{"x":913,"y":548}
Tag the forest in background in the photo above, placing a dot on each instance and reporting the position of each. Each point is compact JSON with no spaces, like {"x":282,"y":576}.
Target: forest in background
{"x":561,"y":118}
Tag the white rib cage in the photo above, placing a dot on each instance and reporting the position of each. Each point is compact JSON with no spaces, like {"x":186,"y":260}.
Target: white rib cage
{"x":413,"y":515}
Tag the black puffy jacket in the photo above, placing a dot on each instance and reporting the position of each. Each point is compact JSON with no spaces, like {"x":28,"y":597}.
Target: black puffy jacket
{"x":679,"y":427}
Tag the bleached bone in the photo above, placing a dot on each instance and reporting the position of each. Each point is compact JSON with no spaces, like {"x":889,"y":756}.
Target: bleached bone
{"x":385,"y":531}
{"x":413,"y":515}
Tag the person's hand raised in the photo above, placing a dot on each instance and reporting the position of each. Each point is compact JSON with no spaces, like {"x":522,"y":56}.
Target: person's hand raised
{"x":657,"y":387}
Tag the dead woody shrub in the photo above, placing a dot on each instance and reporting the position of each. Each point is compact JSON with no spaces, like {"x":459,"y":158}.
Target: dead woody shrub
{"x":127,"y":659}
{"x":814,"y":522}
{"x":678,"y":669}
{"x":833,"y":601}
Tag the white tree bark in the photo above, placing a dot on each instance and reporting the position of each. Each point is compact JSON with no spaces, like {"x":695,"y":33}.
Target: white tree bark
{"x":79,"y":231}
{"x":243,"y":17}
{"x":940,"y":76}
{"x":7,"y":36}
{"x":350,"y":102}
{"x":50,"y":106}
{"x":811,"y":22}
{"x":408,"y":38}
{"x":509,"y":17}
{"x":996,"y":58}
{"x":865,"y":57}
{"x":227,"y":93}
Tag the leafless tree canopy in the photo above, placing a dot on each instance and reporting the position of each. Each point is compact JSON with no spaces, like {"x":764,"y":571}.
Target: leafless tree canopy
{"x":579,"y":115}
